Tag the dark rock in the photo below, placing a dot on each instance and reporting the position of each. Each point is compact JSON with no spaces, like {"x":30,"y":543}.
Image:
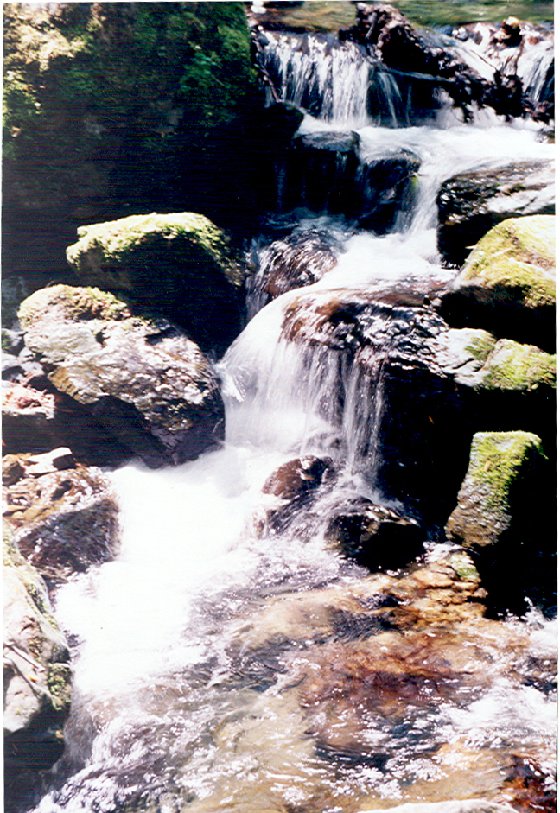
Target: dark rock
{"x":37,"y":677}
{"x":11,"y":367}
{"x":319,"y":172}
{"x":470,"y":204}
{"x":300,"y":259}
{"x":149,"y":386}
{"x":63,"y":518}
{"x":386,"y":189}
{"x":375,"y":536}
{"x":293,"y":485}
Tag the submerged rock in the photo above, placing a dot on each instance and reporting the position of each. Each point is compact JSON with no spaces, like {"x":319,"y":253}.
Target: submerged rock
{"x":143,"y":381}
{"x":37,"y":677}
{"x":63,"y":517}
{"x":472,"y":203}
{"x":180,"y":265}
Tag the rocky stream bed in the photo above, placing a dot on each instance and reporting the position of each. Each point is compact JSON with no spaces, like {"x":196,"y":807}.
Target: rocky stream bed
{"x":279,"y":509}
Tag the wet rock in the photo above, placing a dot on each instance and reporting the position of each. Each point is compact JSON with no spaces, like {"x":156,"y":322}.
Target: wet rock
{"x":385,"y":189}
{"x":514,"y":544}
{"x":472,"y":203}
{"x":293,"y":486}
{"x":37,"y":677}
{"x":11,"y":367}
{"x":63,"y":517}
{"x":320,"y":172}
{"x":180,"y":265}
{"x":375,"y":536}
{"x":143,"y":381}
{"x":530,"y":786}
{"x":381,"y":352}
{"x":300,"y":259}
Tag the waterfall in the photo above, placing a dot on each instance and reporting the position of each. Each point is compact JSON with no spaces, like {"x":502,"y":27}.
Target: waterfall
{"x":192,"y":647}
{"x":327,"y":78}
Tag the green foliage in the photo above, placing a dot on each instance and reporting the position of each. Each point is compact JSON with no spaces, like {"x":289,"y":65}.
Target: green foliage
{"x":130,"y":82}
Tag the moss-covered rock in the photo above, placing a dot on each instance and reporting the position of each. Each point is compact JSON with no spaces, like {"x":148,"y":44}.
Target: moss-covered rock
{"x":142,"y":380}
{"x":505,"y":515}
{"x":179,"y":264}
{"x":37,"y":677}
{"x":471,"y":204}
{"x":508,"y":284}
{"x":499,"y":464}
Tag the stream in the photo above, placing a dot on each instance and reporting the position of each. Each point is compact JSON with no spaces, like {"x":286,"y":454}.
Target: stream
{"x":189,"y":648}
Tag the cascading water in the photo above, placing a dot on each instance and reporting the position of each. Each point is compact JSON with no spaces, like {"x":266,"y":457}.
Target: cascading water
{"x":189,"y":650}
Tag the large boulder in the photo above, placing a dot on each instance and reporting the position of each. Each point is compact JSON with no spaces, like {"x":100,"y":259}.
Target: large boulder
{"x":145,"y":382}
{"x":470,"y":204}
{"x":37,"y":677}
{"x":63,"y":516}
{"x":504,"y":514}
{"x":180,"y":265}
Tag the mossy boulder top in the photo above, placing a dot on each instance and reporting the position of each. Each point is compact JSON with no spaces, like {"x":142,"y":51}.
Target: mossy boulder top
{"x":480,"y":361}
{"x":508,"y":284}
{"x":179,"y":264}
{"x":143,"y":380}
{"x":501,"y":474}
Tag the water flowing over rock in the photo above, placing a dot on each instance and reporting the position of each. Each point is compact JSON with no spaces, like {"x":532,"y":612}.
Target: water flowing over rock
{"x":37,"y":677}
{"x":181,"y":265}
{"x":471,"y":203}
{"x":149,"y":386}
{"x":508,"y":284}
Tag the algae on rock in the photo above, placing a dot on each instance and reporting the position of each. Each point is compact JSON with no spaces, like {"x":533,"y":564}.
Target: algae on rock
{"x":179,"y":264}
{"x":508,"y":284}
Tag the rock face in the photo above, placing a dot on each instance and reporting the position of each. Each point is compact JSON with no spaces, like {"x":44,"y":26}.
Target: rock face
{"x":180,"y":265}
{"x":504,"y":513}
{"x":37,"y":677}
{"x":386,"y":189}
{"x":149,"y":386}
{"x":320,"y":172}
{"x":472,"y":203}
{"x":376,"y":536}
{"x":63,"y":517}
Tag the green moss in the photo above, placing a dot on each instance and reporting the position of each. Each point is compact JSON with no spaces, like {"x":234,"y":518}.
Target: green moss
{"x":518,"y":256}
{"x":514,"y":366}
{"x":59,"y":684}
{"x":496,"y":461}
{"x":463,"y":566}
{"x":73,"y":303}
{"x":117,"y":239}
{"x":481,"y":344}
